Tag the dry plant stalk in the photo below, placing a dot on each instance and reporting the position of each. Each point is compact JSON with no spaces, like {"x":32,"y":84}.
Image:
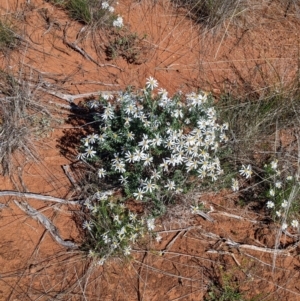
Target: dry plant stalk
{"x":46,"y":223}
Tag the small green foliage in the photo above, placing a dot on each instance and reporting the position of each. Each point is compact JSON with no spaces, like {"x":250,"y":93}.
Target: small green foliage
{"x":91,"y":12}
{"x":18,"y":111}
{"x":7,"y":36}
{"x":58,"y":2}
{"x":225,"y":290}
{"x":79,"y":10}
{"x":211,"y":12}
{"x":251,"y":120}
{"x":124,"y":45}
{"x":112,"y":228}
{"x":282,"y":193}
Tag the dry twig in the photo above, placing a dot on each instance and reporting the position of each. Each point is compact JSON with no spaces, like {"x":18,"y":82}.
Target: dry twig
{"x":46,"y":223}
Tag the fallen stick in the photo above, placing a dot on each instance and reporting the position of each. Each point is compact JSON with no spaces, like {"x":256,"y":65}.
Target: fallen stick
{"x":46,"y":223}
{"x":70,"y":97}
{"x":94,"y":83}
{"x":205,"y":216}
{"x":83,"y":52}
{"x":37,"y":197}
{"x":283,"y":252}
{"x":224,"y":253}
{"x":234,"y":216}
{"x":171,"y":242}
{"x":69,"y":174}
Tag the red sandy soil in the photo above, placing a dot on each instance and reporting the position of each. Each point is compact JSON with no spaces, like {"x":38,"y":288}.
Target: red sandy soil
{"x":253,"y":53}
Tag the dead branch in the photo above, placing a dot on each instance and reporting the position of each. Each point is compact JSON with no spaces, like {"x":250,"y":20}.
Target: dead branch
{"x":234,"y":216}
{"x":171,"y":242}
{"x":91,"y":82}
{"x":76,"y":48}
{"x":239,"y":246}
{"x":46,"y":223}
{"x":69,"y":174}
{"x":37,"y":197}
{"x":71,"y":98}
{"x":205,"y":216}
{"x":224,"y":253}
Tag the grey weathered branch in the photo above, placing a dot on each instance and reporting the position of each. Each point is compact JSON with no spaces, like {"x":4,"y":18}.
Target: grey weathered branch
{"x":46,"y":223}
{"x":71,"y":98}
{"x":37,"y":197}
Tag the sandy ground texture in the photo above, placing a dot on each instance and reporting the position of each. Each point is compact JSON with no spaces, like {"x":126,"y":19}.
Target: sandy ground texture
{"x":252,"y":53}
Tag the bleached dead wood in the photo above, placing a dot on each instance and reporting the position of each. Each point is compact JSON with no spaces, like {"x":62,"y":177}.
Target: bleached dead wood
{"x":46,"y":223}
{"x":234,"y":216}
{"x":70,"y":97}
{"x":37,"y":197}
{"x":76,"y":48}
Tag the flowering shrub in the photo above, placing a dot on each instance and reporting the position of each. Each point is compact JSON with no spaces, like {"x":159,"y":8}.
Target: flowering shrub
{"x":152,"y":146}
{"x":92,"y":12}
{"x":112,"y":228}
{"x":281,"y":193}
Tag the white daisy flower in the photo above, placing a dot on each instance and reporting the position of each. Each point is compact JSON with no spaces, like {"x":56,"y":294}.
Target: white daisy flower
{"x":80,"y":156}
{"x":278,"y":184}
{"x":89,"y":152}
{"x":157,"y":140}
{"x":129,"y":157}
{"x":246,"y":171}
{"x":127,"y":250}
{"x":133,"y":237}
{"x":108,"y":112}
{"x":123,"y":180}
{"x":170,"y":185}
{"x":87,"y":225}
{"x":86,"y":141}
{"x":101,"y":173}
{"x":163,"y":93}
{"x":138,"y":155}
{"x":147,"y":159}
{"x":274,"y":164}
{"x":272,"y":192}
{"x":270,"y":204}
{"x":284,"y":204}
{"x":101,"y":261}
{"x":116,"y":218}
{"x":151,"y":83}
{"x":130,"y":136}
{"x":105,"y":5}
{"x":235,"y":185}
{"x":158,"y":238}
{"x":114,"y":244}
{"x":130,"y":110}
{"x":295,"y":223}
{"x":164,"y":165}
{"x":194,"y":209}
{"x":144,"y":143}
{"x":102,"y":137}
{"x":139,"y":195}
{"x":150,"y":224}
{"x":92,"y":138}
{"x":106,"y":239}
{"x":148,"y":186}
{"x":118,"y":22}
{"x":132,"y":216}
